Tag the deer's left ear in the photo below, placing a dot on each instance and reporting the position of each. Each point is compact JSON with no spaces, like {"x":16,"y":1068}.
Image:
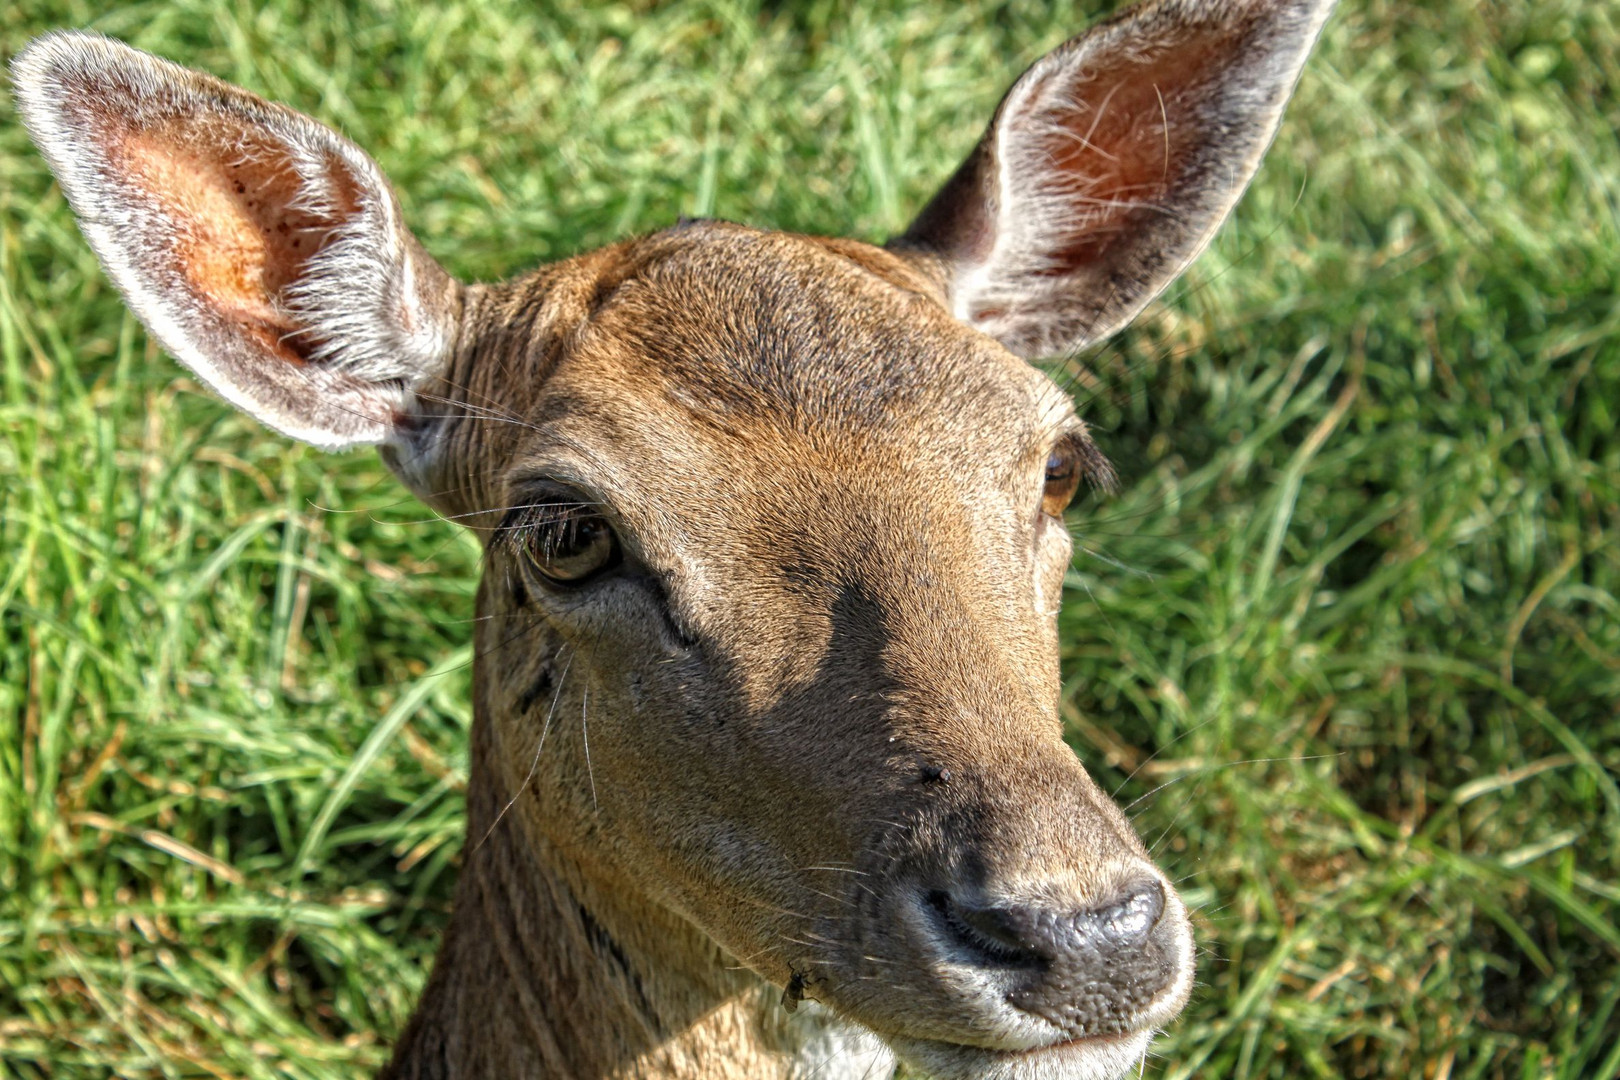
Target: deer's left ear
{"x":264,"y":250}
{"x":1109,"y":165}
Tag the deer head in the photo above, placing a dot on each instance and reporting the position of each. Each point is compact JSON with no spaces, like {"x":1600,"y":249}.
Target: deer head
{"x":767,"y":653}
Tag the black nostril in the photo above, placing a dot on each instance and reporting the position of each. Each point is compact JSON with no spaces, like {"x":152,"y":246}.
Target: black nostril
{"x":991,"y":935}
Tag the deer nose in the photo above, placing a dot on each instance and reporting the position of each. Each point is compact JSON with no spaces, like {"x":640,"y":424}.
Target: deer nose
{"x":1013,"y":932}
{"x":1087,"y":968}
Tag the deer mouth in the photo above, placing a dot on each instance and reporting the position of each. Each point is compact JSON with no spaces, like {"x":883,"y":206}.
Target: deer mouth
{"x":1094,"y":1057}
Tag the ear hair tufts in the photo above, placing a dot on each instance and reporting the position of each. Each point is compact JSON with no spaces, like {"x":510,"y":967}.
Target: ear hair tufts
{"x":261,"y":248}
{"x":1109,"y":166}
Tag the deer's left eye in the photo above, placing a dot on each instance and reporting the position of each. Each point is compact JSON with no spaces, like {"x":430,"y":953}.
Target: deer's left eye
{"x":1062,"y":478}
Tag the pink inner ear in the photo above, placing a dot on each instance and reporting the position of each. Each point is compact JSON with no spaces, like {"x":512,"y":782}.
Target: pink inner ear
{"x":1117,"y":143}
{"x":236,"y":220}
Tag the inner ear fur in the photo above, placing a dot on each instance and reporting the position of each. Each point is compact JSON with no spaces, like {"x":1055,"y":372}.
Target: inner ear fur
{"x":1109,"y":165}
{"x":261,"y":248}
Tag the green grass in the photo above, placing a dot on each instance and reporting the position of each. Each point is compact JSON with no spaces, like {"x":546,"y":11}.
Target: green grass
{"x":1348,"y":641}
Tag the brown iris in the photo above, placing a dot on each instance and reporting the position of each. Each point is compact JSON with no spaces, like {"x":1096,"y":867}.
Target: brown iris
{"x":1062,"y":478}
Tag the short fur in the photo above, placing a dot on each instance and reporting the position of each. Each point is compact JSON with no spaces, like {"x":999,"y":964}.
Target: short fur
{"x":784,"y":792}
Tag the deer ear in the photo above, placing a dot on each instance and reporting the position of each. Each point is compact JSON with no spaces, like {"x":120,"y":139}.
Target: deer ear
{"x":1109,"y":165}
{"x":260,"y":248}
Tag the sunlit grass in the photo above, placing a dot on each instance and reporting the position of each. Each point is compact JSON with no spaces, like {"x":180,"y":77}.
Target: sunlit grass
{"x":1349,"y":640}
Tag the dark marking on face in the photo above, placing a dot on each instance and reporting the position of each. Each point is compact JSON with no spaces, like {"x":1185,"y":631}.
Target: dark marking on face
{"x":538,"y":689}
{"x":603,"y":945}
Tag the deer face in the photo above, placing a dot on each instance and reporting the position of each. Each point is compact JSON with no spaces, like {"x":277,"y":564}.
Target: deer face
{"x":774,"y":525}
{"x":785,"y":549}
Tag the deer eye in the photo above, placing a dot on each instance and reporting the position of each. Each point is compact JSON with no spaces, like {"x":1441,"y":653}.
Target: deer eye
{"x":566,"y":543}
{"x":1062,"y":477}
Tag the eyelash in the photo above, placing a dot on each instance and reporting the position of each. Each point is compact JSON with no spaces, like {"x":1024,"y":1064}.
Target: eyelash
{"x":564,"y":541}
{"x":1095,"y":470}
{"x":538,"y":525}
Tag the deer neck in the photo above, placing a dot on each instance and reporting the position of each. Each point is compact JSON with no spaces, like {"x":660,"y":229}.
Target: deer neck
{"x":546,"y":972}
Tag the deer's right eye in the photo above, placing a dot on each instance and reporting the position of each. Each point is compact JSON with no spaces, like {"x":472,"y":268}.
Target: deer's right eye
{"x":566,"y":543}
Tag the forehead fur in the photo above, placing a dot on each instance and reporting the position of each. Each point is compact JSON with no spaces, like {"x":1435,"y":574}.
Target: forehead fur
{"x":737,"y":326}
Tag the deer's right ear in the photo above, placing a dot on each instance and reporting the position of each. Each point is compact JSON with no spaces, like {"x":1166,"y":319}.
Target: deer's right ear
{"x":262,"y":249}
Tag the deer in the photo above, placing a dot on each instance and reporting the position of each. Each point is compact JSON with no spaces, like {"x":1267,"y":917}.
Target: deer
{"x":767,"y":775}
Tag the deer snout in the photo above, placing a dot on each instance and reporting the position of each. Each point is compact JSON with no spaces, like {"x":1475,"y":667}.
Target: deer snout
{"x":1086,"y":965}
{"x":1079,"y":965}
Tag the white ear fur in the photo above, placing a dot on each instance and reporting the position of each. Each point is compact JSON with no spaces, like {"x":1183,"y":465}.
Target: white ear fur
{"x":261,"y":249}
{"x":1109,"y":166}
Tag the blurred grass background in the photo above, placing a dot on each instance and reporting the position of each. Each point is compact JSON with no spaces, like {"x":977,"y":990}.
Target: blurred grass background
{"x":1348,"y":642}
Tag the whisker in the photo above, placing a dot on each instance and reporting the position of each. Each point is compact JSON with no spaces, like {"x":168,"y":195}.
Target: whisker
{"x":1204,"y":771}
{"x":1149,"y":759}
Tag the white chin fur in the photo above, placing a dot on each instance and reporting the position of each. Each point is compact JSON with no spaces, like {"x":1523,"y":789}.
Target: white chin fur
{"x":830,"y":1048}
{"x":1089,"y":1059}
